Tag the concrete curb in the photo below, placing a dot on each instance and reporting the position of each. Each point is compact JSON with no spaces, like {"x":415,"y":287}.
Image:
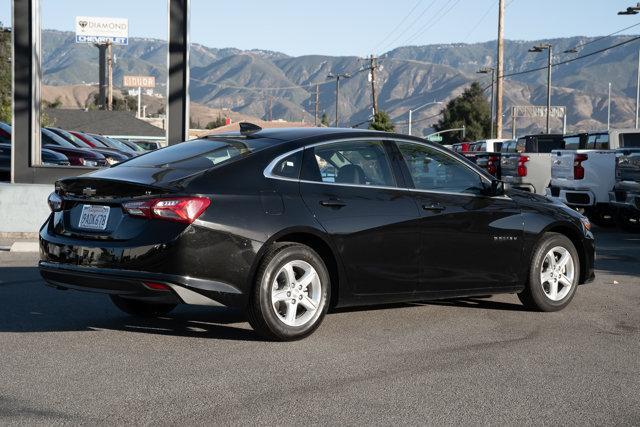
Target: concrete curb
{"x":25,"y":247}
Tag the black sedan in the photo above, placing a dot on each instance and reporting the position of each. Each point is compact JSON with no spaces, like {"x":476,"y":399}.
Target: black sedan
{"x":287,"y":223}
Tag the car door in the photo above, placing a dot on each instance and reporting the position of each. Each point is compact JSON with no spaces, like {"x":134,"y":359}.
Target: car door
{"x":469,"y":241}
{"x":355,"y":192}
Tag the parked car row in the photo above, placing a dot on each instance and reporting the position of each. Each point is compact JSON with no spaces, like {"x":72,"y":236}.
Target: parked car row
{"x":63,"y":148}
{"x":597,"y":172}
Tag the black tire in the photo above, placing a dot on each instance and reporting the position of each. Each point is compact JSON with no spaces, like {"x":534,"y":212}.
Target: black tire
{"x":534,"y":296}
{"x":628,"y":220}
{"x":261,"y":312}
{"x":140,"y":308}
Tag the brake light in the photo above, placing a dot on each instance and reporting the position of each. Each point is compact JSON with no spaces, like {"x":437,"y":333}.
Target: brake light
{"x":179,"y":209}
{"x":155,"y":286}
{"x":522,"y":168}
{"x":492,"y":165}
{"x":578,"y":170}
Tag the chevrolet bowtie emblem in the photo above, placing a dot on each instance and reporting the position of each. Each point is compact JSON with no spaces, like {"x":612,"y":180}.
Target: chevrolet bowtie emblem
{"x":88,"y":191}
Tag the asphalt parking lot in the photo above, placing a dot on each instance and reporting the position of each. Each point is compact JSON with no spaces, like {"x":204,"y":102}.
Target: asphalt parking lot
{"x":71,"y":357}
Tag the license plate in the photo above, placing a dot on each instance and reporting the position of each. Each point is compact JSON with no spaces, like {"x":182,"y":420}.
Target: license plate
{"x":94,"y":217}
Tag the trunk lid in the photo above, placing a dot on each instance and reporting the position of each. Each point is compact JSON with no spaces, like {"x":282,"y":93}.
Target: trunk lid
{"x":92,"y":206}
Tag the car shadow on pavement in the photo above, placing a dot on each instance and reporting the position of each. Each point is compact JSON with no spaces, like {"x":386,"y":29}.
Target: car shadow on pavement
{"x":28,"y":305}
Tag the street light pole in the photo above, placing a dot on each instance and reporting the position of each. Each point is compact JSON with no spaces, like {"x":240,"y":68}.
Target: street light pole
{"x":486,"y":70}
{"x":549,"y":48}
{"x":420,"y":108}
{"x":338,"y":76}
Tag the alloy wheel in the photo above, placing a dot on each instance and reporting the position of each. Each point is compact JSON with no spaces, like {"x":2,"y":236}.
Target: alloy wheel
{"x":557,"y":273}
{"x":296,"y":292}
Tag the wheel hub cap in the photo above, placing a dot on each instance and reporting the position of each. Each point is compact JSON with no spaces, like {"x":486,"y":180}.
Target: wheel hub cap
{"x":557,"y":273}
{"x":296,"y":292}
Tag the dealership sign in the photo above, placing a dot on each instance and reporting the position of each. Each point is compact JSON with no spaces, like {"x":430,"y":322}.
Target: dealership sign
{"x":91,"y":29}
{"x":146,"y":82}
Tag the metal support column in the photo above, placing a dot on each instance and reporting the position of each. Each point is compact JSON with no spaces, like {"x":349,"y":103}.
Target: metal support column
{"x":178,"y":67}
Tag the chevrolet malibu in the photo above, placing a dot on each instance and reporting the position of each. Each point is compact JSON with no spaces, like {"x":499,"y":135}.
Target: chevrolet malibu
{"x":288,"y":223}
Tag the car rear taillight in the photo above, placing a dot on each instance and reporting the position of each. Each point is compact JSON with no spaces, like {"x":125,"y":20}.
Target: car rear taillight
{"x":578,"y":170}
{"x":522,"y":168}
{"x":492,"y":165}
{"x":465,"y":147}
{"x":180,"y":209}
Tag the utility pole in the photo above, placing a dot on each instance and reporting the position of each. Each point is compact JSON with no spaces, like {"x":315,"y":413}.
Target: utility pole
{"x":270,"y":108}
{"x":337,"y":77}
{"x":373,"y":64}
{"x":638,"y":92}
{"x":609,"y":109}
{"x":500,"y":70}
{"x":110,"y":73}
{"x":316,"y":105}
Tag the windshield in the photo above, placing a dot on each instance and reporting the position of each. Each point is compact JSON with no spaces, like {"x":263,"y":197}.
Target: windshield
{"x":198,"y":154}
{"x":49,"y":137}
{"x":74,"y":139}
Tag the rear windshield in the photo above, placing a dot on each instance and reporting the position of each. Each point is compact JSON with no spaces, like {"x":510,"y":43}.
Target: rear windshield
{"x":544,"y":144}
{"x":198,"y":154}
{"x":630,"y":140}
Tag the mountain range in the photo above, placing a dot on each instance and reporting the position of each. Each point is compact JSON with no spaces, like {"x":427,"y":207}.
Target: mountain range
{"x":265,"y":84}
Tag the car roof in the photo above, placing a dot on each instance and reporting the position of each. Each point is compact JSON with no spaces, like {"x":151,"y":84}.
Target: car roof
{"x":303,"y":135}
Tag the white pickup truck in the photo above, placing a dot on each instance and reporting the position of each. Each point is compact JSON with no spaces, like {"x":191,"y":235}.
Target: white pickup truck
{"x":625,"y":195}
{"x":583,"y":174}
{"x":526,"y":163}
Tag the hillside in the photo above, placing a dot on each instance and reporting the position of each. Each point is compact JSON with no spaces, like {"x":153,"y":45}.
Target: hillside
{"x":261,"y":83}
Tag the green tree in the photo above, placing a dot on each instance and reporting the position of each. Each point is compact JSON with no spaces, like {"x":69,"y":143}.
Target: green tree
{"x":324,"y":120}
{"x":5,"y":76}
{"x":470,"y":109}
{"x":220,"y":121}
{"x":57,"y":103}
{"x":382,"y":121}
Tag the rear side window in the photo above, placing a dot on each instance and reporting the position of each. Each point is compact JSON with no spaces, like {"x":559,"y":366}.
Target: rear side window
{"x":289,"y":167}
{"x":630,"y":140}
{"x":349,"y":162}
{"x":197,"y":155}
{"x":546,"y":145}
{"x":572,"y":142}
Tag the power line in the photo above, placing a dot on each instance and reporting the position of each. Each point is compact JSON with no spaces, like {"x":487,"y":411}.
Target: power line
{"x":555,"y":64}
{"x":397,"y":26}
{"x":436,"y":19}
{"x":580,"y":46}
{"x":390,"y":44}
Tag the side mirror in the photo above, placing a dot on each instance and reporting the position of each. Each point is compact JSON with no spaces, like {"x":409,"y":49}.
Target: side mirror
{"x":495,"y":188}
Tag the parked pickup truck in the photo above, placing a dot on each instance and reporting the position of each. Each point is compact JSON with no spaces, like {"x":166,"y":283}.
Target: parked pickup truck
{"x":583,"y":175}
{"x":526,"y":163}
{"x":626,"y":191}
{"x":486,"y":154}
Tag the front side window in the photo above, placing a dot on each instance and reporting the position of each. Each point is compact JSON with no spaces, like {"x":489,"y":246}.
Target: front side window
{"x":349,"y":162}
{"x":433,"y":170}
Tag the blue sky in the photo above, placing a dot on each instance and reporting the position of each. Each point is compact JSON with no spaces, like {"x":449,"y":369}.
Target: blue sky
{"x":356,"y":27}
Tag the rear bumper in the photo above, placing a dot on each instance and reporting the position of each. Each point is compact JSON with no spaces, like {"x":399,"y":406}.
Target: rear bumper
{"x":626,"y":196}
{"x":571,"y":197}
{"x":132,"y":284}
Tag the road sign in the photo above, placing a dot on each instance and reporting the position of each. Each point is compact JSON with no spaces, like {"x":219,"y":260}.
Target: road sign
{"x":435,"y":138}
{"x":93,"y":29}
{"x":146,"y":82}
